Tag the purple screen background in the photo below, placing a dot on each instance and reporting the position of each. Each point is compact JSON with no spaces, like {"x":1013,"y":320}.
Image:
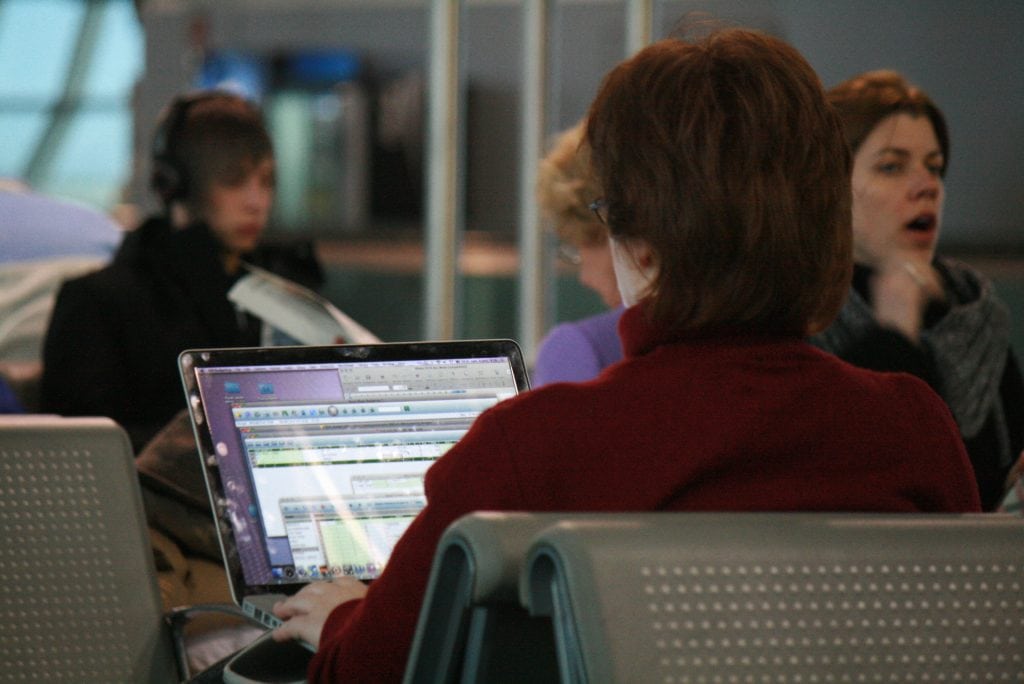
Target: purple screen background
{"x":299,"y":385}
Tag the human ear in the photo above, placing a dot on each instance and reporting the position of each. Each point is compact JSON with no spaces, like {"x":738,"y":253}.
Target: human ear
{"x":642,"y":254}
{"x":635,"y":269}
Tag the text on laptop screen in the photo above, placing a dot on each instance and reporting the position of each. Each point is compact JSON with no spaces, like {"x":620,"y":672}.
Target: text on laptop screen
{"x":323,"y":464}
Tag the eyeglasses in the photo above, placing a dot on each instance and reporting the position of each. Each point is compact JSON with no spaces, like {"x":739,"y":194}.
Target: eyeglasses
{"x":569,"y":254}
{"x":600,"y":209}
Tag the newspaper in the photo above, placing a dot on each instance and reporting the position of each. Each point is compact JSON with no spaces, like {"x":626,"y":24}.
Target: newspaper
{"x":297,"y":311}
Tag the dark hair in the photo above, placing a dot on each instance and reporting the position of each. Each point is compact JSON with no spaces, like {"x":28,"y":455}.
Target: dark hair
{"x":724,"y":156}
{"x":203,"y":138}
{"x":865,"y":100}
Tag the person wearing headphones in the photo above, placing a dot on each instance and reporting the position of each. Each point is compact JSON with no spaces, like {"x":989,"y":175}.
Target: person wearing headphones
{"x":114,"y":337}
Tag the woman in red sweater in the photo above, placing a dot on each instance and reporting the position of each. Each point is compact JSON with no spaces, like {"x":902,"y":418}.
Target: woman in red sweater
{"x":726,"y":192}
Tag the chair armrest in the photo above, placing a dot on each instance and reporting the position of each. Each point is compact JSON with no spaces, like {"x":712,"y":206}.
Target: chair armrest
{"x":471,"y":596}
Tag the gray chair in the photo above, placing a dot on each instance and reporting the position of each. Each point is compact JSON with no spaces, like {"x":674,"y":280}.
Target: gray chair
{"x":471,"y":627}
{"x":78,"y":586}
{"x":762,"y":597}
{"x":79,"y":599}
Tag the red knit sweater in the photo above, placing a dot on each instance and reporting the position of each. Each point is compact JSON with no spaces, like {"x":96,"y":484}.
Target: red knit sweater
{"x":712,"y":424}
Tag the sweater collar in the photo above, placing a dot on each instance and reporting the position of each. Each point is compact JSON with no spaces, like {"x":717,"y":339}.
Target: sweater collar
{"x":636,"y":332}
{"x":640,"y":336}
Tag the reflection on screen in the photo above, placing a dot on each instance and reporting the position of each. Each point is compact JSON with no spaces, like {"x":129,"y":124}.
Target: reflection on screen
{"x":334,"y":465}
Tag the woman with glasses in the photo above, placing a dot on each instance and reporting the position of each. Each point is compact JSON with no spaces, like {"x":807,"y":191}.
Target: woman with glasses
{"x":577,"y":350}
{"x":726,"y":179}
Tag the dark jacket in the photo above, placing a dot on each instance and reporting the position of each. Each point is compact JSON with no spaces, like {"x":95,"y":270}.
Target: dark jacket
{"x":113,"y":341}
{"x":883,"y":349}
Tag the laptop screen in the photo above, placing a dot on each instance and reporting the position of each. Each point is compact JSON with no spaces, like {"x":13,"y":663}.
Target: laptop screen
{"x":315,"y":456}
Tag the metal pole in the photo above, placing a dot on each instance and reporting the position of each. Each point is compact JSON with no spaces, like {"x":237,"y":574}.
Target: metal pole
{"x":444,"y":187}
{"x":532,"y":263}
{"x":639,"y":24}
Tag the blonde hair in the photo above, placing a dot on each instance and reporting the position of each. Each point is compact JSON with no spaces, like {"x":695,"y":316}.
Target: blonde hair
{"x":566,"y":187}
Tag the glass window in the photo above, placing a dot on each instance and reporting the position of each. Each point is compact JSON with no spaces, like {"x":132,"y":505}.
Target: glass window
{"x":28,"y":73}
{"x":95,"y":158}
{"x":117,"y":60}
{"x":20,"y":130}
{"x":65,"y":130}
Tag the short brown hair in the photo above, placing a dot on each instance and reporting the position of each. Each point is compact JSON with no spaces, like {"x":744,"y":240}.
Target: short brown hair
{"x":865,"y":100}
{"x":566,"y":187}
{"x":204,"y":138}
{"x":723,"y":156}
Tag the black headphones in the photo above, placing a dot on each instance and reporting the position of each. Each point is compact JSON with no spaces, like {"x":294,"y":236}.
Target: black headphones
{"x":169,"y":178}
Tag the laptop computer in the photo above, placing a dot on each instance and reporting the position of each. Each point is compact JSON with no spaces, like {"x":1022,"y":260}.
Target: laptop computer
{"x":314,"y":457}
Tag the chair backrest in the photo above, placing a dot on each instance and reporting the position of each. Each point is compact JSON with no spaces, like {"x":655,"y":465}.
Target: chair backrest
{"x":741,"y":597}
{"x":471,"y":626}
{"x":28,"y":291}
{"x":78,"y":594}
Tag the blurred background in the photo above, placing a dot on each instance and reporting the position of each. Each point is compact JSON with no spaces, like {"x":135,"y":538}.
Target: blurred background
{"x":345,"y":87}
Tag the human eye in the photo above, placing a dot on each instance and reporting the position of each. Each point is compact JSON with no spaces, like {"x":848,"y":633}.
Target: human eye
{"x":889,"y":167}
{"x":267,"y":175}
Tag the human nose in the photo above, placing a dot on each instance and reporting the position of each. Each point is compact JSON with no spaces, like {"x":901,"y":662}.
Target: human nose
{"x":925,"y":183}
{"x":257,"y":194}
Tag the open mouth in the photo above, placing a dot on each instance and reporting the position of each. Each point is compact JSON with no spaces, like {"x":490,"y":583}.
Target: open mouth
{"x":923,"y":223}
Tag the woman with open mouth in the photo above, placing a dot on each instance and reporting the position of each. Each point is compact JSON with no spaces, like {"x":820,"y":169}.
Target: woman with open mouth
{"x":909,"y":309}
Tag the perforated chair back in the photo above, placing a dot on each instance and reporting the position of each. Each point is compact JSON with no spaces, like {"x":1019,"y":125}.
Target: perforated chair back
{"x":736,"y":597}
{"x":472,"y":627}
{"x":78,"y":595}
